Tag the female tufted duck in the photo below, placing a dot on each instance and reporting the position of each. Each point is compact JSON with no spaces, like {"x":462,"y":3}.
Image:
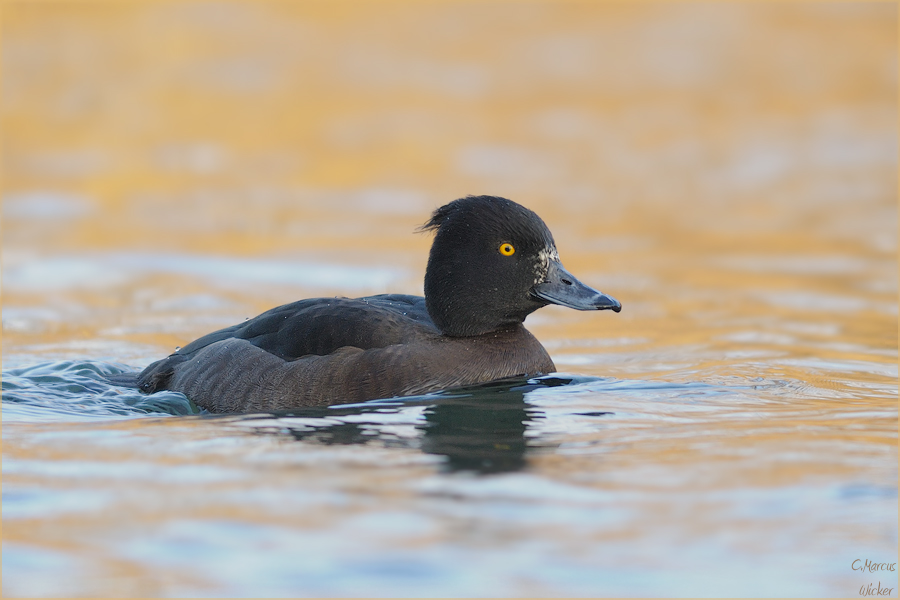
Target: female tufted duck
{"x":493,"y":262}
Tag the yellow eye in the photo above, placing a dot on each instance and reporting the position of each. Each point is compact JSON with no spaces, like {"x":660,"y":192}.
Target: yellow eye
{"x":507,"y":249}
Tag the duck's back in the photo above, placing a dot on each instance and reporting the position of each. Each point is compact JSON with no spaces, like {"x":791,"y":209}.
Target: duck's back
{"x":332,"y":350}
{"x":322,"y":325}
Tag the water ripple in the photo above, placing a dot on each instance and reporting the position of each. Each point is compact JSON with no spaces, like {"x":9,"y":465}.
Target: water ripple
{"x":78,"y":390}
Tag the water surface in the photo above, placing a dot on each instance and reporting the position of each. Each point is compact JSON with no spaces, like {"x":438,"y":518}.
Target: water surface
{"x":727,"y":172}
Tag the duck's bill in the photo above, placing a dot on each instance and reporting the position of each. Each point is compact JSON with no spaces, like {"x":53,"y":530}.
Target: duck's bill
{"x":561,"y":287}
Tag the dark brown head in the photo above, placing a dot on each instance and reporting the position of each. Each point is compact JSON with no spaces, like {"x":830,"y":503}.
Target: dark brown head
{"x":493,"y":262}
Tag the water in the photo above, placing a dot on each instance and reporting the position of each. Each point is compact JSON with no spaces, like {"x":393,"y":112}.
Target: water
{"x":727,"y":171}
{"x":572,"y":484}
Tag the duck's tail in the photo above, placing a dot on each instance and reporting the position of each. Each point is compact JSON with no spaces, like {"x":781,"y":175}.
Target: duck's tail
{"x":124,"y":379}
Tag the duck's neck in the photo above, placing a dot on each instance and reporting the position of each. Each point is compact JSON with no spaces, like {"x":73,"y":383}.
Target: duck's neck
{"x":459,"y":314}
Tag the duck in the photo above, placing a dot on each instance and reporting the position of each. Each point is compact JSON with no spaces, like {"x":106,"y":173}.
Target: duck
{"x":492,"y":263}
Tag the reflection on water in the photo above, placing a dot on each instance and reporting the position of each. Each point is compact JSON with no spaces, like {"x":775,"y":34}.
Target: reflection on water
{"x":728,"y":171}
{"x":483,"y":431}
{"x":480,"y":429}
{"x":334,"y":498}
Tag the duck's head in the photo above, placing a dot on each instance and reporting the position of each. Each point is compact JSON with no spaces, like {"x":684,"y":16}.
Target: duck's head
{"x":493,"y":262}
